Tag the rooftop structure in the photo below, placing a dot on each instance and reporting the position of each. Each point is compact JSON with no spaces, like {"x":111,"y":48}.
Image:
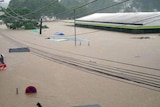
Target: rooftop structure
{"x":137,"y":20}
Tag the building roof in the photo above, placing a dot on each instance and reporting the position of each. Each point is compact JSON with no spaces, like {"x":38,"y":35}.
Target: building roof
{"x":136,"y":18}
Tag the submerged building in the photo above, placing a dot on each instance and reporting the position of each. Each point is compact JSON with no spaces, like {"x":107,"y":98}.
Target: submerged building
{"x":137,"y":22}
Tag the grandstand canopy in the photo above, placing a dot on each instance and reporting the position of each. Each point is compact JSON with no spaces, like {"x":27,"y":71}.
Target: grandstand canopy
{"x":136,"y":18}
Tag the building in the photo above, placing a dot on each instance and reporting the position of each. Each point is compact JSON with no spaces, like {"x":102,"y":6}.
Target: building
{"x":138,"y":22}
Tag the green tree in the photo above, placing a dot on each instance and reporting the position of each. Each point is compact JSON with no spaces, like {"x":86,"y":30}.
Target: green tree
{"x":143,"y":6}
{"x":39,"y":7}
{"x":14,"y":19}
{"x":104,"y":6}
{"x":72,"y":4}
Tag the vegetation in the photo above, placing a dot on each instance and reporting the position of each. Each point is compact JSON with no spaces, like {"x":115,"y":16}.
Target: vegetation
{"x":130,"y":6}
{"x":26,"y":13}
{"x":142,"y":6}
{"x":14,"y":19}
{"x":39,"y":7}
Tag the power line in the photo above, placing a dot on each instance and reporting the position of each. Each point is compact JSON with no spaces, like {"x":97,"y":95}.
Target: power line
{"x":145,"y":19}
{"x":23,"y":17}
{"x":17,"y":17}
{"x":106,"y":7}
{"x":8,"y":14}
{"x":150,"y":17}
{"x":51,"y":3}
{"x":19,"y":5}
{"x":17,"y":14}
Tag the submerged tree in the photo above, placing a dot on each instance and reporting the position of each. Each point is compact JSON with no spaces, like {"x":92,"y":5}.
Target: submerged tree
{"x":14,"y":19}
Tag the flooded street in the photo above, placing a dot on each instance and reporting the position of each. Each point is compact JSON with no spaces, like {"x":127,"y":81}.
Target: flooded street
{"x":113,"y":70}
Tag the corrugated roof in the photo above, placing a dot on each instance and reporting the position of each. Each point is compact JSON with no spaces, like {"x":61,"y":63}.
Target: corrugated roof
{"x":137,"y":18}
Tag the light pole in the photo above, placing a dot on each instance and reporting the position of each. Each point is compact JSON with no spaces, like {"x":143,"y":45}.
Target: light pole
{"x":74,"y":10}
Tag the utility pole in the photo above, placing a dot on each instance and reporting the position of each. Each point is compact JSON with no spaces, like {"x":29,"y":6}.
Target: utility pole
{"x":75,"y":34}
{"x":40,"y":31}
{"x":74,"y":10}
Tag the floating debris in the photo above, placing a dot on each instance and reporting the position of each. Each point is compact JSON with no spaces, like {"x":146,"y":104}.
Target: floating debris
{"x":95,"y":105}
{"x":19,"y":50}
{"x":31,"y":89}
{"x":141,"y":37}
{"x":59,"y":34}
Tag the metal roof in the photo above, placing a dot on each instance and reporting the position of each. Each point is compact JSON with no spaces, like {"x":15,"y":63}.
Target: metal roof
{"x":136,"y":18}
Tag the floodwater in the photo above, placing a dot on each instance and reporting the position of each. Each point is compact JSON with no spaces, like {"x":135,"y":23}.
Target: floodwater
{"x":64,"y":85}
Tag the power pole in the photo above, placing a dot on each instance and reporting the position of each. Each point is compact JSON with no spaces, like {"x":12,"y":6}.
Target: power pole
{"x":74,"y":10}
{"x":75,"y":34}
{"x":40,"y":31}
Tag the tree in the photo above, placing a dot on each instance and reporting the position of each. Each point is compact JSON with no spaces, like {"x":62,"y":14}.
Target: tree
{"x":39,"y":7}
{"x":142,"y":6}
{"x":70,"y":5}
{"x":64,"y":8}
{"x":14,"y":19}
